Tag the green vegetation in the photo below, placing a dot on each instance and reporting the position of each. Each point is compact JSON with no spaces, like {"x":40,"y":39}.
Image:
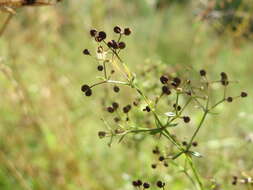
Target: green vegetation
{"x":48,"y":129}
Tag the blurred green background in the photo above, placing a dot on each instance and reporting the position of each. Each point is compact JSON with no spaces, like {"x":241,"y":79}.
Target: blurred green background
{"x":48,"y":129}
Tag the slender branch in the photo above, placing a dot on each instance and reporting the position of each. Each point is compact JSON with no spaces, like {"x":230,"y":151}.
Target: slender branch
{"x":218,"y":103}
{"x":109,"y":81}
{"x":165,"y":132}
{"x":105,"y":74}
{"x":7,"y":21}
{"x":197,"y":130}
{"x":196,"y":175}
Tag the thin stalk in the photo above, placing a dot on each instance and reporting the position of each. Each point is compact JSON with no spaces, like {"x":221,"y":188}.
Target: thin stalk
{"x":105,"y":74}
{"x":190,"y":178}
{"x":177,"y":99}
{"x":194,"y":170}
{"x":198,"y":128}
{"x":7,"y":21}
{"x":177,"y":155}
{"x":115,"y":53}
{"x":109,"y":81}
{"x":218,"y":103}
{"x":165,"y":132}
{"x":180,"y":112}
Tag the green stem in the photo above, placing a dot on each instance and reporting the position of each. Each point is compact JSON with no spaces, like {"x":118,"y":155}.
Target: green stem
{"x":196,"y":175}
{"x":218,"y":103}
{"x":165,"y":132}
{"x":105,"y":74}
{"x":197,"y":130}
{"x":109,"y":81}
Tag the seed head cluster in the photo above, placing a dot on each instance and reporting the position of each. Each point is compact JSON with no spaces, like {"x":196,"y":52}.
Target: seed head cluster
{"x":167,"y":102}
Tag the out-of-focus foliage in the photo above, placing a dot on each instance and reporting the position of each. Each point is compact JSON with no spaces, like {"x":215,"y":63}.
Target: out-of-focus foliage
{"x":232,"y":17}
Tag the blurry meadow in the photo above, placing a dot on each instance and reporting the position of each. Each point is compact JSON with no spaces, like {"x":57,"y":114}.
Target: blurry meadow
{"x":48,"y":128}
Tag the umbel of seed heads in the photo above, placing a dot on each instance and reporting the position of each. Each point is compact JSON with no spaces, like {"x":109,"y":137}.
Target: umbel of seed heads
{"x":127,"y":108}
{"x":113,"y":107}
{"x":225,"y":82}
{"x":160,"y":184}
{"x":175,"y":83}
{"x":138,"y":183}
{"x":195,"y":143}
{"x":161,"y":158}
{"x":242,"y":95}
{"x":165,"y":89}
{"x":100,"y":36}
{"x":86,"y":89}
{"x":224,"y":79}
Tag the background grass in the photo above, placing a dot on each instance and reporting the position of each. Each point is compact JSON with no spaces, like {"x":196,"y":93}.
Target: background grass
{"x":48,"y":129}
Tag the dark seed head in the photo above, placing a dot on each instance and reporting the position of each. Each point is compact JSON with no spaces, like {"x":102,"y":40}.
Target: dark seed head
{"x":177,"y":107}
{"x":135,"y":183}
{"x":165,"y":164}
{"x":101,"y":134}
{"x":116,"y":119}
{"x":148,"y":109}
{"x":146,"y":185}
{"x":100,"y":68}
{"x":85,"y":87}
{"x":166,"y":90}
{"x":86,"y":52}
{"x":224,"y":82}
{"x":115,"y":105}
{"x":110,"y":109}
{"x":102,"y":35}
{"x":186,"y":119}
{"x":224,"y":79}
{"x":136,"y":103}
{"x":184,"y":143}
{"x":98,"y":39}
{"x":160,"y":184}
{"x":230,"y":99}
{"x":127,"y":31}
{"x":161,"y":158}
{"x":224,"y":75}
{"x":110,"y":44}
{"x":116,"y":89}
{"x":164,"y":79}
{"x":156,"y":151}
{"x":244,"y":94}
{"x":139,"y":182}
{"x":114,"y":44}
{"x":122,"y":45}
{"x":127,"y":108}
{"x":88,"y":92}
{"x":202,"y":72}
{"x":93,"y":32}
{"x":195,"y":144}
{"x":117,"y":29}
{"x":177,"y":80}
{"x":188,"y":93}
{"x":153,"y":166}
